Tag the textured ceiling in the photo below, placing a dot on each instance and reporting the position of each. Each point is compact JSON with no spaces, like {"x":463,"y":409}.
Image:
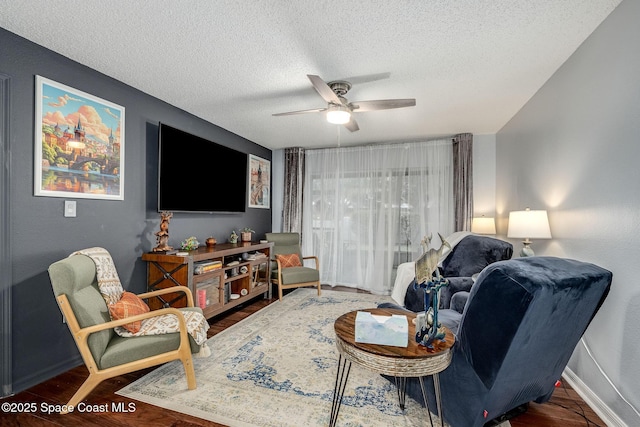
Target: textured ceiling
{"x":471,"y":65}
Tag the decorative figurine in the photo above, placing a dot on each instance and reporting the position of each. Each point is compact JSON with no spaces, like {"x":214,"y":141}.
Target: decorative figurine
{"x":162,"y":236}
{"x":234,"y":237}
{"x":428,"y":278}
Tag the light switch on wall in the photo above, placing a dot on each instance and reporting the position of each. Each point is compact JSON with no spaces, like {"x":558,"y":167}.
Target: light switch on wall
{"x":69,"y":208}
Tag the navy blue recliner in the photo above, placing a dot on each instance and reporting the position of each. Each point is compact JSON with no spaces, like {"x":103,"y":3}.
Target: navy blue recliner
{"x":472,"y":254}
{"x":520,"y":325}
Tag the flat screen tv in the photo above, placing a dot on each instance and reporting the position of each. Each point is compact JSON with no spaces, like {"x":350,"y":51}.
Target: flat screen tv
{"x":198,"y":175}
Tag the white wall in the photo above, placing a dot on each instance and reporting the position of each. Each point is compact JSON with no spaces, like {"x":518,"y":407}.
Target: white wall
{"x":573,"y":149}
{"x":484,"y":175}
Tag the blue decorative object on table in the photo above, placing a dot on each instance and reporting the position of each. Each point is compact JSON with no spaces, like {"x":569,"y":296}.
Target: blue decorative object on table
{"x":427,"y":325}
{"x":428,"y":278}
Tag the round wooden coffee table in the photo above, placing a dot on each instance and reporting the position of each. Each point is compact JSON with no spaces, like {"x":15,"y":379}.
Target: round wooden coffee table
{"x":414,"y":360}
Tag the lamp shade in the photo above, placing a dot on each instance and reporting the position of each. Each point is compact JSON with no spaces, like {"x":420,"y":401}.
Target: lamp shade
{"x":338,"y":114}
{"x":529,"y":224}
{"x":483,"y":225}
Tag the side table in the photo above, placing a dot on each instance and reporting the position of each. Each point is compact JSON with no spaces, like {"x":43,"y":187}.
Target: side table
{"x":401,"y":362}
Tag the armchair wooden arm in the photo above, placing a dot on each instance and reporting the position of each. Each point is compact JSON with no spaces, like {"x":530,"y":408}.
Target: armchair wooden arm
{"x":313,"y":257}
{"x":85,"y":332}
{"x":172,"y":289}
{"x":81,"y":335}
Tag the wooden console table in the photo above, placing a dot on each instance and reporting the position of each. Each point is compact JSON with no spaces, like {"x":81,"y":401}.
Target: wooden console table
{"x":244,"y":272}
{"x":414,"y":360}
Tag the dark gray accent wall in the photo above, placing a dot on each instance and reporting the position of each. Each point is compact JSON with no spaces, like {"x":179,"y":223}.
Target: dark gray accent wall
{"x":5,"y":248}
{"x":41,"y":345}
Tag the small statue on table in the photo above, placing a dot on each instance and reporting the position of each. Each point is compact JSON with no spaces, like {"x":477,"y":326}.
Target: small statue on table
{"x":428,"y":278}
{"x":162,"y":236}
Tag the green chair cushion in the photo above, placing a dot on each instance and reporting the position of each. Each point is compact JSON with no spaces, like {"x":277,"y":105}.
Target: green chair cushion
{"x":299,"y":275}
{"x":123,"y":350}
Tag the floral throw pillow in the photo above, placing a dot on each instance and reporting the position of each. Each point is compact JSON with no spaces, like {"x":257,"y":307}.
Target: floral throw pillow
{"x":289,"y":260}
{"x":129,"y":305}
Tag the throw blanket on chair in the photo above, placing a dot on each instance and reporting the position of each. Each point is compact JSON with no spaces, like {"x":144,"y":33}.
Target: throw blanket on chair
{"x":111,"y":290}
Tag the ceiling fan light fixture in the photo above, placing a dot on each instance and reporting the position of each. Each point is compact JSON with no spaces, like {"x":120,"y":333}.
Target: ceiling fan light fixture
{"x":338,"y":114}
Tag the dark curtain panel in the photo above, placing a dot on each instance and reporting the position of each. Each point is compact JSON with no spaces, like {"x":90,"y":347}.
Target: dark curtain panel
{"x":463,"y":180}
{"x":293,"y":185}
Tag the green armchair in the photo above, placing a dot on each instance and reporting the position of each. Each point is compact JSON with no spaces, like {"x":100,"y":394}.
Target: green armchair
{"x":295,"y":276}
{"x":105,"y":353}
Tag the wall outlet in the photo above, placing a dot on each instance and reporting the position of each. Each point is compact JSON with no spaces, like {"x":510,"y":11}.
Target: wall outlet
{"x":70,"y":208}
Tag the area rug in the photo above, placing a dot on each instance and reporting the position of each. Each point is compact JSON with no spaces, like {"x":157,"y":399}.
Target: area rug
{"x":277,"y":368}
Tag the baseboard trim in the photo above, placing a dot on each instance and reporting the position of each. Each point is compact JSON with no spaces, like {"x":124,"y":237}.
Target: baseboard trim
{"x":591,"y":399}
{"x":46,"y":374}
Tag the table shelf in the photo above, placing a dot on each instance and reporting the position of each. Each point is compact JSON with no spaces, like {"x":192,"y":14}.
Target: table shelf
{"x":211,"y":289}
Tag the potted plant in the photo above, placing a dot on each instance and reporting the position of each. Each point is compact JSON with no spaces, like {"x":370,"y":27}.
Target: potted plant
{"x":245,"y":234}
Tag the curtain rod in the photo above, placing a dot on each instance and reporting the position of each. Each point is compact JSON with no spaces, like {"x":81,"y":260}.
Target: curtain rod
{"x":381,"y":144}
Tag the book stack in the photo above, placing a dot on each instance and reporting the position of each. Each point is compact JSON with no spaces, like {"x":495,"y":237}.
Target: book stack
{"x":205,"y":267}
{"x":257,"y":255}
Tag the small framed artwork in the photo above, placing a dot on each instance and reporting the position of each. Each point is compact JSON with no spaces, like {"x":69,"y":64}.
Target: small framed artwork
{"x":259,"y":182}
{"x":79,"y":144}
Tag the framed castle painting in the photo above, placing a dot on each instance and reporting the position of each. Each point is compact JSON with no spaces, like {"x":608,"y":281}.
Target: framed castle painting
{"x":79,"y":144}
{"x":259,"y":182}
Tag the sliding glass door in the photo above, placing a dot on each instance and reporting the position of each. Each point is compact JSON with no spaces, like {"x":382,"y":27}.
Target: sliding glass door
{"x":366,"y":209}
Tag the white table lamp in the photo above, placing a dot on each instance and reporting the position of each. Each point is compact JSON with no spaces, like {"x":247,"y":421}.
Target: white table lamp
{"x":483,"y":225}
{"x":528,"y":224}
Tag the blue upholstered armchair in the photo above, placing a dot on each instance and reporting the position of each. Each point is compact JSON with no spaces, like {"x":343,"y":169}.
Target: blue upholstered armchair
{"x":468,"y":257}
{"x":520,"y":325}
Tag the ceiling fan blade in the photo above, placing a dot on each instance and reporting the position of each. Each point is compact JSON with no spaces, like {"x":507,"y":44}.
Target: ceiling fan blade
{"x":352,"y":125}
{"x":290,"y":113}
{"x":324,"y":90}
{"x":382,"y":104}
{"x":356,"y":80}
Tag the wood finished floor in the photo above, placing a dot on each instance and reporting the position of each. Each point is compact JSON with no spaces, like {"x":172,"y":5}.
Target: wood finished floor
{"x":565,"y":409}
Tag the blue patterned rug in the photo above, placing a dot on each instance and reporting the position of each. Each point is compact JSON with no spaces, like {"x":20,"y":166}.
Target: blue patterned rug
{"x":277,"y":368}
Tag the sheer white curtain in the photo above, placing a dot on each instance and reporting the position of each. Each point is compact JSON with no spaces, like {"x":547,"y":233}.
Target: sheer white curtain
{"x":366,"y":209}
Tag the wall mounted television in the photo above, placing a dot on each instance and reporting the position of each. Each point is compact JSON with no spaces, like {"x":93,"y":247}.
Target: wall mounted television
{"x":198,"y":175}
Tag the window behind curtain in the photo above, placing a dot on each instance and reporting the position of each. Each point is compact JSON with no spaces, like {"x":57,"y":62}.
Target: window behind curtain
{"x":366,"y":209}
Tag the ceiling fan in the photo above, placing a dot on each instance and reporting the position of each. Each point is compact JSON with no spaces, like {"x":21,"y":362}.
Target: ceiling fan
{"x":339,"y":110}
